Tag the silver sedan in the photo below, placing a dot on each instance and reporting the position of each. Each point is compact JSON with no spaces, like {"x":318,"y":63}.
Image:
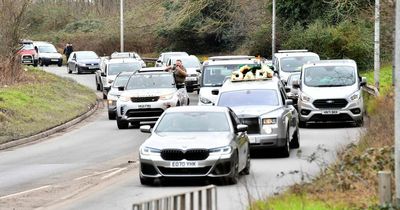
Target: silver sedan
{"x":195,"y":141}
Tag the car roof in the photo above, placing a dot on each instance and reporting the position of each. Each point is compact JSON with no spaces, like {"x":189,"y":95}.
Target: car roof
{"x":231,"y":62}
{"x":338,"y":62}
{"x":152,"y":69}
{"x":123,"y":60}
{"x":294,"y":53}
{"x":231,"y":57}
{"x":84,"y":52}
{"x":271,"y":83}
{"x":176,"y":57}
{"x":166,"y":53}
{"x":197,"y":109}
{"x":41,"y":43}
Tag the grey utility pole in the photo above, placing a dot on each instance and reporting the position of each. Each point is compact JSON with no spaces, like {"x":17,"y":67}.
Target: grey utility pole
{"x":273,"y":28}
{"x":122,"y":25}
{"x":397,"y":105}
{"x":377,"y":64}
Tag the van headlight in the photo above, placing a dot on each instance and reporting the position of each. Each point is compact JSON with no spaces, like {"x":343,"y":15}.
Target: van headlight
{"x":305,"y":97}
{"x":149,"y":151}
{"x":221,"y":150}
{"x":205,"y":100}
{"x":167,"y":96}
{"x":355,"y":96}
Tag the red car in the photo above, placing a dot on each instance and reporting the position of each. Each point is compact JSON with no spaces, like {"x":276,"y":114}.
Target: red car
{"x":28,"y":53}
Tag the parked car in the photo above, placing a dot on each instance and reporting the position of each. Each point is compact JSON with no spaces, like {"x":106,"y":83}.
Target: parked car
{"x":120,"y":81}
{"x":215,"y":70}
{"x":192,"y":65}
{"x":263,"y":106}
{"x":83,"y":61}
{"x":148,"y":93}
{"x":330,"y":91}
{"x":47,"y":54}
{"x":28,"y":53}
{"x":195,"y":141}
{"x":287,"y":62}
{"x":128,"y":55}
{"x":292,"y":93}
{"x":163,"y":58}
{"x":108,"y":71}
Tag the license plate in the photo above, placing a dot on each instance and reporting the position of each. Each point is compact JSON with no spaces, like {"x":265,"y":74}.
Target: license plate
{"x":330,"y":112}
{"x":92,"y":67}
{"x":144,"y":106}
{"x":54,"y":59}
{"x":26,"y":61}
{"x":184,"y":164}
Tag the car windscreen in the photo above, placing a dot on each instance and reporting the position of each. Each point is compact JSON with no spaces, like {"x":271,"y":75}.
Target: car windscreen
{"x":193,"y":122}
{"x":249,"y":98}
{"x":189,"y":62}
{"x":28,"y":47}
{"x":116,"y":68}
{"x":214,"y":75}
{"x":87,"y":55}
{"x":151,"y":81}
{"x":47,"y":49}
{"x":121,"y":81}
{"x":292,"y":64}
{"x":169,"y":55}
{"x":329,"y":76}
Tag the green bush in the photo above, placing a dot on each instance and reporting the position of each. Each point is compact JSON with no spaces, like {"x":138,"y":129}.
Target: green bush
{"x":83,"y":26}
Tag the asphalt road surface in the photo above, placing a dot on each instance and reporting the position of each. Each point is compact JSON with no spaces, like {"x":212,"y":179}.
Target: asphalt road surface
{"x":93,"y":166}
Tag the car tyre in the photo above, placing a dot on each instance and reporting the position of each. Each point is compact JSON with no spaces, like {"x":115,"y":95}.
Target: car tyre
{"x":40,"y":62}
{"x":69,"y":70}
{"x":35,"y":63}
{"x":77,"y":70}
{"x":146,"y":181}
{"x":246,"y":170}
{"x":233,"y":178}
{"x":302,"y":124}
{"x":97,"y":84}
{"x":104,"y":95}
{"x":295,"y":143}
{"x":188,"y":101}
{"x":59,"y":64}
{"x":122,"y":124}
{"x":111,"y":115}
{"x":285,"y":150}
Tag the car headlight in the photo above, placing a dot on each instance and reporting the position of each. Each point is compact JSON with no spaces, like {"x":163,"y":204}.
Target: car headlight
{"x":269,"y":121}
{"x":205,"y":100}
{"x":149,"y":151}
{"x":355,"y":96}
{"x":167,"y":96}
{"x":221,"y":150}
{"x":125,"y":98}
{"x":305,"y":98}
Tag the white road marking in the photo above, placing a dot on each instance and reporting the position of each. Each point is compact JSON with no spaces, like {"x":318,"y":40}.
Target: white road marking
{"x":27,"y":191}
{"x":113,"y":173}
{"x":95,"y":174}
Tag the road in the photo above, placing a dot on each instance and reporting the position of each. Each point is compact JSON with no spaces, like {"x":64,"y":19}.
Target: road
{"x":93,"y":166}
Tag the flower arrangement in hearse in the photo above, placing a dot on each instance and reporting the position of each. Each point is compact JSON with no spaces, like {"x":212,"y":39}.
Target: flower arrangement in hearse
{"x":246,"y":73}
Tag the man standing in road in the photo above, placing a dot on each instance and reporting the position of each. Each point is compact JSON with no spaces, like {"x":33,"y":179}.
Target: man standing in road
{"x":179,"y":71}
{"x":68,"y":50}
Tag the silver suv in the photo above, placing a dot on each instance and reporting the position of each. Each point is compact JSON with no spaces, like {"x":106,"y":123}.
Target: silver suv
{"x":148,"y":93}
{"x":330,"y":91}
{"x":262,"y":105}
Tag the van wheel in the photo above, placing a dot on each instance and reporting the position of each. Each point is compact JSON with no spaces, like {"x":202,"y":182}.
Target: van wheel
{"x":97,"y":84}
{"x":122,"y":124}
{"x":40,"y":62}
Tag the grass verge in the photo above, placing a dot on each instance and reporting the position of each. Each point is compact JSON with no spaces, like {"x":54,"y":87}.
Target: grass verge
{"x":42,"y":103}
{"x":351,"y":182}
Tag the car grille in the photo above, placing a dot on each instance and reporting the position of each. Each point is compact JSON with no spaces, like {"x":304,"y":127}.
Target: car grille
{"x":333,"y":118}
{"x":144,"y":113}
{"x":27,"y":57}
{"x":330,"y":103}
{"x":145,"y":99}
{"x":184,"y":171}
{"x":192,"y":154}
{"x":253,"y":125}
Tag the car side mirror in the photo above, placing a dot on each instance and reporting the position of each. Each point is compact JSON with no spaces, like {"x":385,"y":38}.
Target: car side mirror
{"x":198,"y":71}
{"x":215,"y":92}
{"x":145,"y":129}
{"x":241,"y":128}
{"x":363,"y":81}
{"x":158,"y":61}
{"x":296,"y":84}
{"x":121,"y":88}
{"x":288,"y":102}
{"x":287,"y":89}
{"x":103,"y":74}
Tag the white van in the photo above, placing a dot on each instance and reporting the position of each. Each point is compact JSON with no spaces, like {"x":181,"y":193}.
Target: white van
{"x":330,"y":91}
{"x":47,"y":54}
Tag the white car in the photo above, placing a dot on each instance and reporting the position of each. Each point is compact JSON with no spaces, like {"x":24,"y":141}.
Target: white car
{"x":109,"y":70}
{"x":214,"y":72}
{"x":128,"y":55}
{"x":147,"y":94}
{"x":47,"y":54}
{"x":330,"y":91}
{"x":287,"y":62}
{"x":192,"y":65}
{"x":120,"y":81}
{"x":163,"y":59}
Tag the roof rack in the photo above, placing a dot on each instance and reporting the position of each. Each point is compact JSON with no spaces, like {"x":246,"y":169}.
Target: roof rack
{"x":292,"y":51}
{"x":152,"y":69}
{"x":231,"y":57}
